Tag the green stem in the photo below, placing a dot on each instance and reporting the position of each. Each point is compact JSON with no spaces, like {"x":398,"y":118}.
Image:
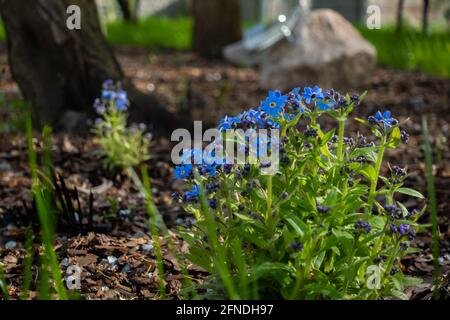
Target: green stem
{"x":340,"y":146}
{"x":390,"y":262}
{"x":153,"y":230}
{"x":158,"y":223}
{"x":304,"y":273}
{"x":28,"y":262}
{"x":297,"y":285}
{"x":433,"y":206}
{"x":374,"y":180}
{"x":390,"y":198}
{"x":219,"y":253}
{"x":379,"y":242}
{"x":313,"y":121}
{"x":269,"y":196}
{"x":3,"y":284}
{"x":269,"y":215}
{"x":43,"y":214}
{"x":349,"y":261}
{"x":227,"y":197}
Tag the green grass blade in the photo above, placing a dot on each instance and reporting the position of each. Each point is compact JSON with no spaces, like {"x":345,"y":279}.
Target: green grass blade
{"x":3,"y":285}
{"x":159,"y":223}
{"x":27,"y":264}
{"x":44,"y":280}
{"x":43,"y":213}
{"x":433,"y":206}
{"x":154,"y":231}
{"x":219,"y":253}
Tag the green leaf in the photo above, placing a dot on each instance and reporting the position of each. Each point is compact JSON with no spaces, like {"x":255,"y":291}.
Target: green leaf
{"x":295,"y":226}
{"x":327,"y":136}
{"x":336,"y":250}
{"x":410,"y":192}
{"x":201,"y":258}
{"x":398,"y":294}
{"x":322,"y":291}
{"x":403,"y":208}
{"x":362,"y":120}
{"x":252,"y":236}
{"x":411,"y":281}
{"x":413,"y":250}
{"x":368,"y":152}
{"x":275,"y":270}
{"x":369,"y":172}
{"x":332,"y":197}
{"x":352,"y":269}
{"x":250,"y":221}
{"x":325,"y":151}
{"x":345,"y":239}
{"x":319,"y":259}
{"x":394,"y":138}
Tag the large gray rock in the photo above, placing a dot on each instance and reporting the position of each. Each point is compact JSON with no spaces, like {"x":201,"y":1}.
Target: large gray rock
{"x":327,"y":50}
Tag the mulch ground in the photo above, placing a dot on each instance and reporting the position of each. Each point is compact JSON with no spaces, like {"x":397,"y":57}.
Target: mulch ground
{"x":116,"y":252}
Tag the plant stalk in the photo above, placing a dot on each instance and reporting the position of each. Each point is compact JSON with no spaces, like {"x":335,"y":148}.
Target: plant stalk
{"x":374,"y":180}
{"x":340,"y":146}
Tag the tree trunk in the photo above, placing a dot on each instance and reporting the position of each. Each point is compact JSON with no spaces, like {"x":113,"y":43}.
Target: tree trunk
{"x":129,"y":9}
{"x":425,"y":14}
{"x":217,"y":23}
{"x":401,"y":5}
{"x":60,"y":70}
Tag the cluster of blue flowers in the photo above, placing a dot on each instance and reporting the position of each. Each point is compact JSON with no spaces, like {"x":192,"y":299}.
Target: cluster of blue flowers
{"x":274,"y":110}
{"x":277,"y":107}
{"x":112,"y":96}
{"x":403,"y":229}
{"x":383,"y":118}
{"x":363,"y":225}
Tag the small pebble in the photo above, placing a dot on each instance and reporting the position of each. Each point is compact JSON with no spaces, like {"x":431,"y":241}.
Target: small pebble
{"x":124,"y":213}
{"x":139,"y":234}
{"x":10,"y":244}
{"x":5,"y":166}
{"x":112,"y":260}
{"x":126,"y":268}
{"x":64,"y":262}
{"x":147,"y":247}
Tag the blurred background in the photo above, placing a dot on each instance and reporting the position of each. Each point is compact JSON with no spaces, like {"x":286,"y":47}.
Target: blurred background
{"x":195,"y":53}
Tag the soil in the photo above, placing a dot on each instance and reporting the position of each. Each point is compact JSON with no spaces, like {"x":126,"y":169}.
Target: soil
{"x":115,"y":250}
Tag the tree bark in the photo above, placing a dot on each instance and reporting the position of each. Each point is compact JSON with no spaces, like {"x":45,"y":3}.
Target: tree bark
{"x":129,"y":9}
{"x":58,"y":69}
{"x":401,"y":5}
{"x":217,"y":23}
{"x":425,"y":14}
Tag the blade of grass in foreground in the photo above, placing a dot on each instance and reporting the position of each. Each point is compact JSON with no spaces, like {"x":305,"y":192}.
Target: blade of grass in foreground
{"x":219,"y":253}
{"x":432,"y":206}
{"x":3,"y":286}
{"x":44,"y":279}
{"x":43,"y":213}
{"x":154,"y":231}
{"x":27,"y":264}
{"x":242,"y":268}
{"x":158,"y":221}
